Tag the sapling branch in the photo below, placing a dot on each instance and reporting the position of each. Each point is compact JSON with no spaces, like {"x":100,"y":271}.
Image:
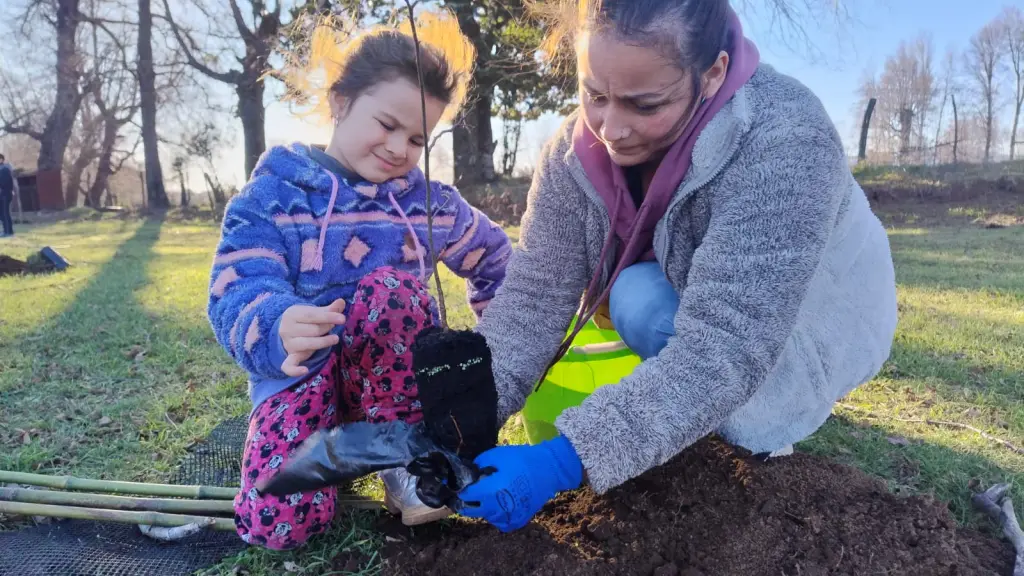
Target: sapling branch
{"x":411,"y":7}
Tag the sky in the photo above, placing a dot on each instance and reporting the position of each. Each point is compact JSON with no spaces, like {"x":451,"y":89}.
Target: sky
{"x":840,"y":57}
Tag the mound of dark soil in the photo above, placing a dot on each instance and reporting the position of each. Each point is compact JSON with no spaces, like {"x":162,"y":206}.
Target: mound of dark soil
{"x":714,"y":510}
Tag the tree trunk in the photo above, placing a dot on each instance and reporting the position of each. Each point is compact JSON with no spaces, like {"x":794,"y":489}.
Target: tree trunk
{"x":473,"y":142}
{"x":862,"y":152}
{"x":988,"y":122}
{"x":1013,"y":132}
{"x":105,"y":167}
{"x":251,"y":111}
{"x":956,"y":129}
{"x":60,"y":122}
{"x":73,"y":186}
{"x":157,"y":194}
{"x":184,"y":191}
{"x":938,"y":128}
{"x":906,"y":130}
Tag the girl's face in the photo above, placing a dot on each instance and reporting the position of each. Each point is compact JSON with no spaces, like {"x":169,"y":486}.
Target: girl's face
{"x":634,"y":99}
{"x":380,"y":135}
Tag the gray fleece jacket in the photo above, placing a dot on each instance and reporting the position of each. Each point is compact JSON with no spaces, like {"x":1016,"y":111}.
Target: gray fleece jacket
{"x":786,"y":283}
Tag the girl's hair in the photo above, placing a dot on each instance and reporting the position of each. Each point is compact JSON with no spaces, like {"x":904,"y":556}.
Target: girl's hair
{"x":690,"y":33}
{"x":350,"y":64}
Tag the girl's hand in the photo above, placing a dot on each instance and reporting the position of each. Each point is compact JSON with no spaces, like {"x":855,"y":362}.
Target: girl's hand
{"x":306,"y":329}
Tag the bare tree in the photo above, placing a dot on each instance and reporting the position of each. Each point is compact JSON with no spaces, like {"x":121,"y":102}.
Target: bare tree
{"x":947,"y":89}
{"x":1013,"y":29}
{"x":51,"y":118}
{"x":81,"y":151}
{"x":117,"y":102}
{"x":905,"y":93}
{"x":982,"y":61}
{"x":257,"y":44}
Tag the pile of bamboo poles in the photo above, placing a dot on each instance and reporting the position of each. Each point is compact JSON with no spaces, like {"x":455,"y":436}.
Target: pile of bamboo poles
{"x":186,"y":509}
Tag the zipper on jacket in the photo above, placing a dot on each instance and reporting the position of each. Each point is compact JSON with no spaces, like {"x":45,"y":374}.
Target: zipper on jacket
{"x":688,"y":191}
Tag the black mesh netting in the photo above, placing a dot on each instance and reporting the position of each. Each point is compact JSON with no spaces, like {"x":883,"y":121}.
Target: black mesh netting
{"x":86,"y":548}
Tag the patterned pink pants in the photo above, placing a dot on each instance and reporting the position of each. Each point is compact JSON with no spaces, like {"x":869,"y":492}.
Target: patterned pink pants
{"x":368,"y":376}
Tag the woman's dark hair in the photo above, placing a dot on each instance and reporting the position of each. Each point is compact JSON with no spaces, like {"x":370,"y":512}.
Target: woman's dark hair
{"x":690,"y":33}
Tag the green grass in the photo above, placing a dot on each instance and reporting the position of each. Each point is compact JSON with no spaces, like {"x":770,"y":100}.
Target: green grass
{"x":958,"y":356}
{"x":122,"y":339}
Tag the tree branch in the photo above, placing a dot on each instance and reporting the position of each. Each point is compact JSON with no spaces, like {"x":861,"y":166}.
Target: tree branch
{"x":231,"y":77}
{"x":243,"y":29}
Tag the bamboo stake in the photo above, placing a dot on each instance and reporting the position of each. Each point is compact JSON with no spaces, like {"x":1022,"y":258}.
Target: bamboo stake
{"x":117,"y":487}
{"x":215,"y":507}
{"x":126,"y":517}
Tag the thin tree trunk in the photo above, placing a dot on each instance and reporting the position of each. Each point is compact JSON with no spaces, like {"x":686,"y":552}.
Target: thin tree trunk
{"x":988,"y":122}
{"x":104,"y":168}
{"x":184,"y":191}
{"x":862,"y":152}
{"x":67,"y":100}
{"x":938,"y":128}
{"x":1013,"y":133}
{"x":251,"y":112}
{"x":473,"y":142}
{"x":73,"y":186}
{"x":147,"y":99}
{"x":956,"y":129}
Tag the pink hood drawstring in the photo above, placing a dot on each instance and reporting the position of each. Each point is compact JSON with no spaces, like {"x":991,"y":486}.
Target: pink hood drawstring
{"x":319,"y":258}
{"x":412,"y":232}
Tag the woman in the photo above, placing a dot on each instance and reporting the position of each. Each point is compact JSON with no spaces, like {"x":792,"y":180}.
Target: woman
{"x":708,"y":198}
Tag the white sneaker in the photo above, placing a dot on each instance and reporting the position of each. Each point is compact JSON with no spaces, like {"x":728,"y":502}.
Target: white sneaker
{"x":400,"y":498}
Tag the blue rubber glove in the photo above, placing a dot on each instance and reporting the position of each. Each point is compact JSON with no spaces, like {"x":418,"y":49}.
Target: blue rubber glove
{"x":521,"y":480}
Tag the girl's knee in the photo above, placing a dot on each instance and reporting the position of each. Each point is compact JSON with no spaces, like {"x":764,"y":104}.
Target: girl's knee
{"x":391,"y":294}
{"x":283,"y":523}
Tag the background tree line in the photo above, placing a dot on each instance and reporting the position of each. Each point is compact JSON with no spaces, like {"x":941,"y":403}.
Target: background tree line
{"x":963,"y":107}
{"x":97,"y":85}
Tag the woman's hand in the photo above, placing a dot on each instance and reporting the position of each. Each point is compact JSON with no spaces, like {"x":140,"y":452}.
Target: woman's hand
{"x":519,"y":480}
{"x":305,"y":329}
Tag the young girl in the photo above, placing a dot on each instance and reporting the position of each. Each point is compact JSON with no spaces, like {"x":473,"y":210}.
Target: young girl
{"x":319,"y":281}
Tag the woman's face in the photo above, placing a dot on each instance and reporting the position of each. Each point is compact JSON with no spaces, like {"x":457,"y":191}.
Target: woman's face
{"x":636,"y":100}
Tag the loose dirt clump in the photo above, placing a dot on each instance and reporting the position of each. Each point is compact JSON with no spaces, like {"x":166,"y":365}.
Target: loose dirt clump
{"x":714,"y":510}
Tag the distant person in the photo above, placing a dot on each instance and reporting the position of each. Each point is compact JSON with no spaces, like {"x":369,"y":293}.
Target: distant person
{"x":8,"y":187}
{"x":318,"y":283}
{"x":704,"y":199}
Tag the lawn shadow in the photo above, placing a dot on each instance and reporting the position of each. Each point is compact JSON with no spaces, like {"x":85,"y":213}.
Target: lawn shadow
{"x":84,"y":369}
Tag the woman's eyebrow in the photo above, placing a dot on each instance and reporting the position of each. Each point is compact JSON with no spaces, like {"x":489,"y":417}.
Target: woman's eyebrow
{"x":633,"y":97}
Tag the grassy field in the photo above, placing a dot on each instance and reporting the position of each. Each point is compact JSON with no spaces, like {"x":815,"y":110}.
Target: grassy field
{"x":110,"y":370}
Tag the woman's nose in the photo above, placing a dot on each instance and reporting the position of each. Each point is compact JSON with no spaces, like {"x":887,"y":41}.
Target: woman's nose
{"x":613,"y":129}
